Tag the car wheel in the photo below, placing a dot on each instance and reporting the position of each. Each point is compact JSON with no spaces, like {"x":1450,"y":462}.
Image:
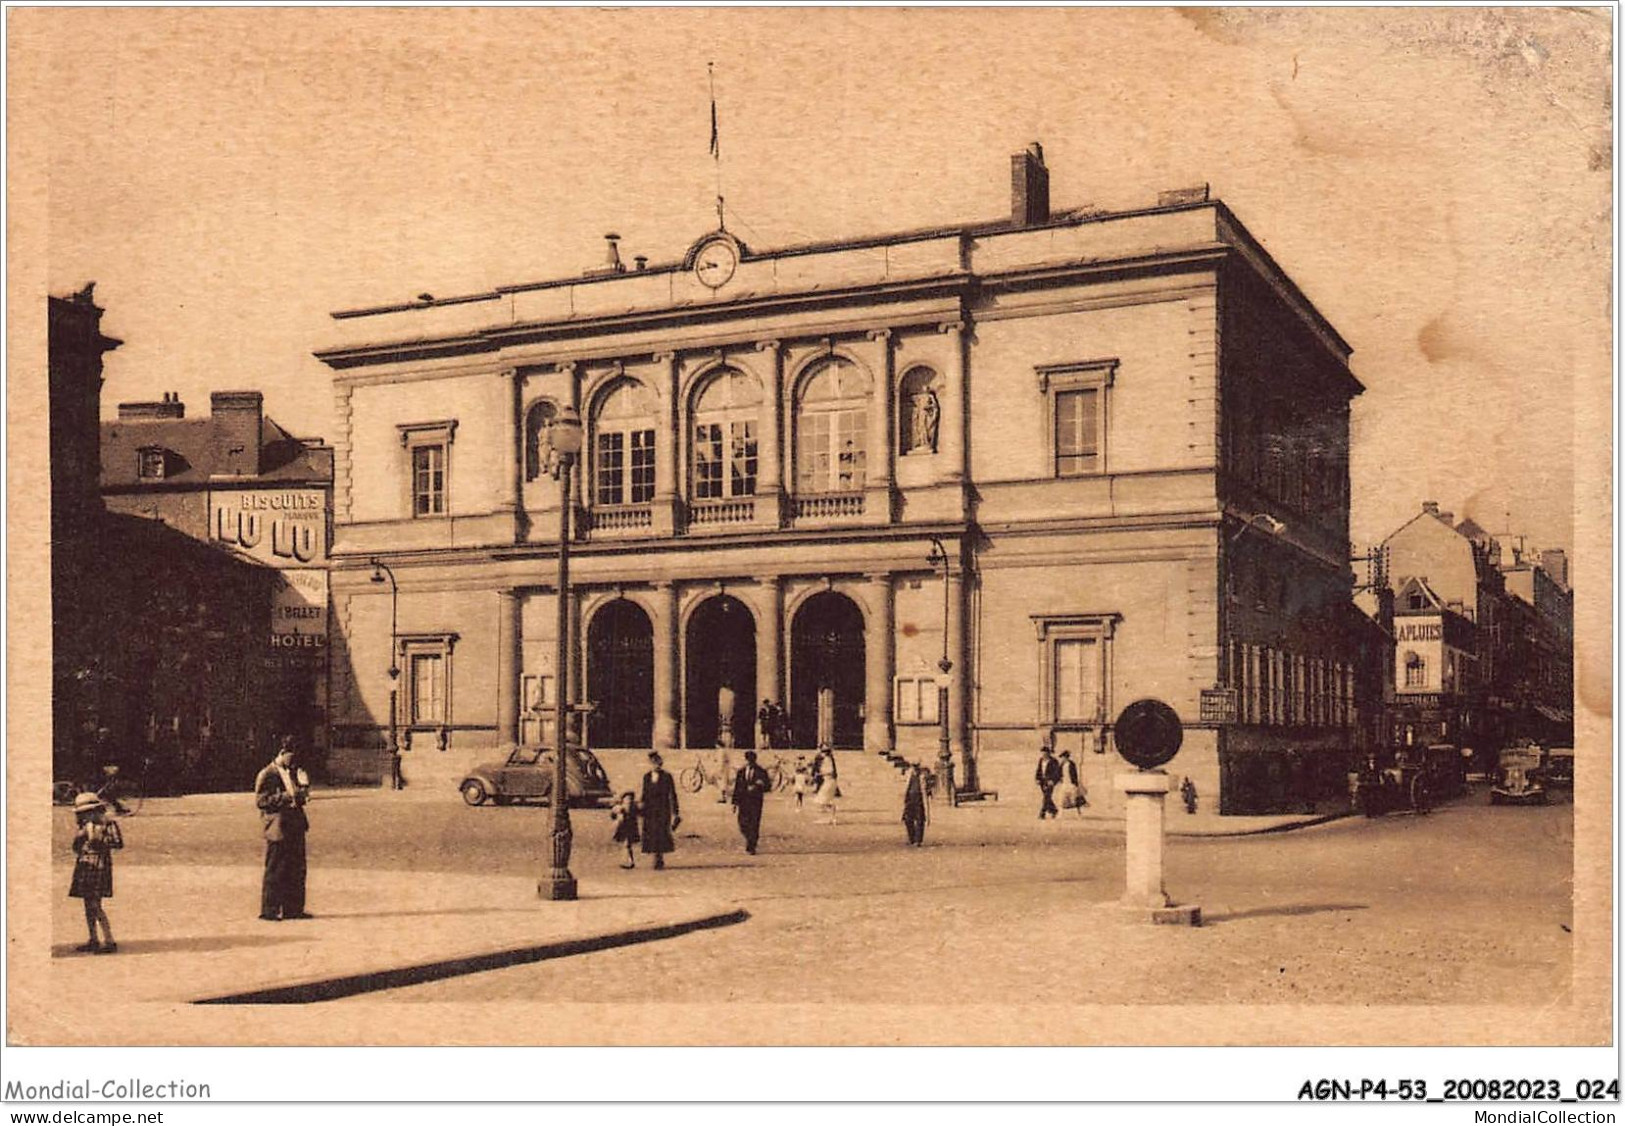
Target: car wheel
{"x":474,"y":792}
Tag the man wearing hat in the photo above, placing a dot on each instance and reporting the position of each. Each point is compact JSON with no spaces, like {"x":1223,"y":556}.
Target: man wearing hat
{"x":751,"y":784}
{"x":1048,"y":776}
{"x":280,"y":792}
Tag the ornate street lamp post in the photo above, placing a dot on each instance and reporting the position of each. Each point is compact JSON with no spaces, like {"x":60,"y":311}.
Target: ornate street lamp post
{"x":565,"y":439}
{"x":381,"y":573}
{"x":945,"y":755}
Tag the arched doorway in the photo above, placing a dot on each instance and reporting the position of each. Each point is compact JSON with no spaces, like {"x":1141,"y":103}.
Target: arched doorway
{"x":720,"y":652}
{"x":826,"y":651}
{"x":620,"y":676}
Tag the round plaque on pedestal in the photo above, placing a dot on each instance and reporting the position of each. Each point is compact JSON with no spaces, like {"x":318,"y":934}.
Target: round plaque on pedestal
{"x":1148,"y":733}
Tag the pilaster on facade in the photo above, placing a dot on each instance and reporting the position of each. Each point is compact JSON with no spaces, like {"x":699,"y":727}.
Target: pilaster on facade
{"x":879,"y":659}
{"x":511,"y":487}
{"x":665,"y":679}
{"x":510,"y":659}
{"x":666,"y":514}
{"x":955,"y":441}
{"x":770,"y":627}
{"x":770,"y":491}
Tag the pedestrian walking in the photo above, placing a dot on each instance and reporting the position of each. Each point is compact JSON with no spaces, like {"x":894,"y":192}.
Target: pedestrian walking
{"x":1069,"y":794}
{"x":625,"y":816}
{"x":825,"y":774}
{"x":751,"y":785}
{"x":1187,"y":794}
{"x":916,"y":805}
{"x":397,"y":780}
{"x":280,"y":793}
{"x":800,"y":781}
{"x":657,"y":806}
{"x":1048,"y":776}
{"x":94,"y":840}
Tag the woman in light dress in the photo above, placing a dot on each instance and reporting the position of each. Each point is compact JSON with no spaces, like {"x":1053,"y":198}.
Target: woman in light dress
{"x":824,"y":771}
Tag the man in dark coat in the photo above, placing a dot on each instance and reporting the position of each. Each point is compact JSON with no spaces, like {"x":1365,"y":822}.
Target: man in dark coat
{"x":751,"y":784}
{"x":280,"y":793}
{"x":1048,"y":776}
{"x":658,"y":808}
{"x":914,"y":813}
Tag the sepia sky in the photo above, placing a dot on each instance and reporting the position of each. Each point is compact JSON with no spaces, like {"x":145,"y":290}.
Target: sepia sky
{"x":1437,"y":181}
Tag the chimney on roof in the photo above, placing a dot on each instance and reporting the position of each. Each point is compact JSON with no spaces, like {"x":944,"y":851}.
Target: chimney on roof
{"x":1431,"y":507}
{"x":1447,"y":517}
{"x":170,"y":406}
{"x":238,"y":418}
{"x":1029,"y":187}
{"x":1179,"y":197}
{"x":1555,"y":562}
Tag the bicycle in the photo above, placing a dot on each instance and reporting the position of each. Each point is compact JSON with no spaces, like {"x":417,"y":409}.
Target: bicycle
{"x":125,"y":795}
{"x":697,"y":777}
{"x":782,"y":771}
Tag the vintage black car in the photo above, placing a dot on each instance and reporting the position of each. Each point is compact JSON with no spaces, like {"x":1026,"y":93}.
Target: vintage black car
{"x":527,"y":776}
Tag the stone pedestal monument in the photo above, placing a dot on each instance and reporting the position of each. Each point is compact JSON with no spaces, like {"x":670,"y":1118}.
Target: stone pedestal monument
{"x":1148,"y":734}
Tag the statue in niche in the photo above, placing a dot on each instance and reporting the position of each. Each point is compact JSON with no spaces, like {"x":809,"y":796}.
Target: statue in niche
{"x":924,"y":415}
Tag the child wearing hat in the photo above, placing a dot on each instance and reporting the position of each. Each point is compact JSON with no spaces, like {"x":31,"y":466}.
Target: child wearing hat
{"x":93,"y":846}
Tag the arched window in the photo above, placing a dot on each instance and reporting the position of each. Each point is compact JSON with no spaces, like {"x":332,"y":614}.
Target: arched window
{"x":832,"y":429}
{"x":624,"y":445}
{"x":921,"y":411}
{"x":725,"y":423}
{"x":1416,"y":671}
{"x":537,"y":421}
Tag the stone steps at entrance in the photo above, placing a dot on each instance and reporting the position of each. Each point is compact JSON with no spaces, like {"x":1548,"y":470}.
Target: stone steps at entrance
{"x":865,"y":773}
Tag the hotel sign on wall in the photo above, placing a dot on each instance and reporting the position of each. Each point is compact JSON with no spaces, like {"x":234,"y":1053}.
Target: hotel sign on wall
{"x":282,"y":527}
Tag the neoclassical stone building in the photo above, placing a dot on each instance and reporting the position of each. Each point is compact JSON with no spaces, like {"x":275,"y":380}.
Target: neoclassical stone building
{"x":1128,"y":432}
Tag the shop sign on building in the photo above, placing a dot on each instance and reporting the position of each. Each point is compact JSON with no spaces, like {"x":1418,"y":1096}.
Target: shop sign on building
{"x":1218,"y":705}
{"x":299,"y":607}
{"x":1418,"y":629}
{"x":282,"y":527}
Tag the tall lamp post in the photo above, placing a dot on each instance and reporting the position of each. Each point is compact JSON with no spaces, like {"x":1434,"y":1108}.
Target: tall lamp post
{"x":565,"y":439}
{"x":945,"y":755}
{"x":381,"y":573}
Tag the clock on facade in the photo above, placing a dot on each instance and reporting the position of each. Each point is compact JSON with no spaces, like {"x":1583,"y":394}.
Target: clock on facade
{"x":716,"y":262}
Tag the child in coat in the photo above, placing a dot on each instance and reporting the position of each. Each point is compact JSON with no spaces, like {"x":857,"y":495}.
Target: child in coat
{"x":93,"y":845}
{"x":625,"y":816}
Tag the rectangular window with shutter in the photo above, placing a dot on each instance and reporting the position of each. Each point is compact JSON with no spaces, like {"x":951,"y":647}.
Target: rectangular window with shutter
{"x":1076,"y":400}
{"x":1077,"y":680}
{"x":1077,"y":438}
{"x":428,"y":689}
{"x":1074,"y":673}
{"x":429,"y":481}
{"x":916,"y":699}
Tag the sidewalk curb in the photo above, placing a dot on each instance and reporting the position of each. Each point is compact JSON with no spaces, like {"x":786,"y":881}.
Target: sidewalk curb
{"x":348,"y":985}
{"x":1290,"y":826}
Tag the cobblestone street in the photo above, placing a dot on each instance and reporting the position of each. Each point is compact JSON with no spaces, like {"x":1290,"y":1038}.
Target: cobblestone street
{"x":1468,"y":905}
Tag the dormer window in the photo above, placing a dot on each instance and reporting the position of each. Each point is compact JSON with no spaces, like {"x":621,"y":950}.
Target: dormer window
{"x":150,"y":463}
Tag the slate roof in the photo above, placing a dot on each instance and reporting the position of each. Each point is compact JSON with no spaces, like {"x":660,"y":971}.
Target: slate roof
{"x":189,"y":443}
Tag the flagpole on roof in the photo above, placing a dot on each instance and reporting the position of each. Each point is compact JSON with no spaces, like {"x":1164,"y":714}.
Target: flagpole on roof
{"x":716,"y":148}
